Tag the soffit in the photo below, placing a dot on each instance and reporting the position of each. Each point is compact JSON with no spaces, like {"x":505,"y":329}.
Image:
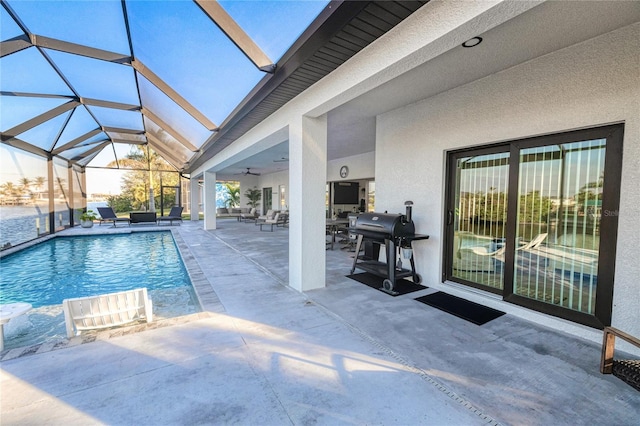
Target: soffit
{"x":324,"y":47}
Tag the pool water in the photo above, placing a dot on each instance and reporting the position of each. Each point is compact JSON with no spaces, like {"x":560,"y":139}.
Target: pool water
{"x":66,"y":267}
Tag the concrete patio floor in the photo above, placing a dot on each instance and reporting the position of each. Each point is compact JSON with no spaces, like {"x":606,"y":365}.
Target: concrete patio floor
{"x":264,"y":354}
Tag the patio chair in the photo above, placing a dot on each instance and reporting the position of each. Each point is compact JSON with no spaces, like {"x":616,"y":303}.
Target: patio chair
{"x":108,"y":215}
{"x":269,"y":215}
{"x":534,"y":243}
{"x":491,"y":258}
{"x":271,"y":222}
{"x":283,"y":220}
{"x":249,"y":217}
{"x":628,"y":370}
{"x":174,"y":214}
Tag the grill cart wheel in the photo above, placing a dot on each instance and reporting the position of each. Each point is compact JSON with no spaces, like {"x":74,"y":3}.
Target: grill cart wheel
{"x":417,"y":278}
{"x":387,"y":285}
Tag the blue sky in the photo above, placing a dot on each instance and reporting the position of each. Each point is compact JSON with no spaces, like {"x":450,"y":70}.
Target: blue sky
{"x":174,"y":39}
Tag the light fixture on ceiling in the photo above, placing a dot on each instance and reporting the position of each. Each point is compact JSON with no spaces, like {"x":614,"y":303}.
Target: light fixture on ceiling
{"x":472,"y":42}
{"x":282,"y":160}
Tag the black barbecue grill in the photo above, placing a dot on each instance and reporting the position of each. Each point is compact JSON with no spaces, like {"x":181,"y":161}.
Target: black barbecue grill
{"x":396,"y":232}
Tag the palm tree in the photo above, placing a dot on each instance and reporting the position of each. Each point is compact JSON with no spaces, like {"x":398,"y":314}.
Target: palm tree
{"x":9,"y":189}
{"x":233,"y":194}
{"x":25,"y":184}
{"x":39,"y":182}
{"x":143,"y":160}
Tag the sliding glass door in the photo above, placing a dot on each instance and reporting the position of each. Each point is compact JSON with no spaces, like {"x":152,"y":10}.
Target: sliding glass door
{"x":477,"y":217}
{"x":558,"y":223}
{"x":526,"y":220}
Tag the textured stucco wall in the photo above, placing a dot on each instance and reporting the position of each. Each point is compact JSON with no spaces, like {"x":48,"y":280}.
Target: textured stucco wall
{"x":274,"y":180}
{"x":592,"y":83}
{"x":360,"y":167}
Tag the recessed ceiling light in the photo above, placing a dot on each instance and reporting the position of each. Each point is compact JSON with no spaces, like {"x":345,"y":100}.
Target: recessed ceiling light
{"x":472,"y":42}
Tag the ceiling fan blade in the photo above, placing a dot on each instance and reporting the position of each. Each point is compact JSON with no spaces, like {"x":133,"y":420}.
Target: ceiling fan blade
{"x":249,"y":172}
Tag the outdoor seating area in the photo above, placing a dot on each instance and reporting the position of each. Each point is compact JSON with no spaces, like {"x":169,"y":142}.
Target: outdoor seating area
{"x":108,"y":215}
{"x":337,"y":232}
{"x":224,"y":212}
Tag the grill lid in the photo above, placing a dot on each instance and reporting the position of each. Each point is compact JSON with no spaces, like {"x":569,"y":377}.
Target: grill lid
{"x":385,"y":224}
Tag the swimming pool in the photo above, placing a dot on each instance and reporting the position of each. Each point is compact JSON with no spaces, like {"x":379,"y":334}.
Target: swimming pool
{"x":66,"y":267}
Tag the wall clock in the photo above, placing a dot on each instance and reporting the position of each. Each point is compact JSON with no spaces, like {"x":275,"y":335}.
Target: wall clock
{"x":344,"y":171}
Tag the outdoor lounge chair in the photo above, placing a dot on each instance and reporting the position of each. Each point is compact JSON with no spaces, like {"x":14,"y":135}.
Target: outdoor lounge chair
{"x":108,"y":215}
{"x":283,"y":220}
{"x":534,"y":243}
{"x":249,"y":217}
{"x":271,"y":222}
{"x":174,"y":214}
{"x":269,"y":215}
{"x":489,"y":258}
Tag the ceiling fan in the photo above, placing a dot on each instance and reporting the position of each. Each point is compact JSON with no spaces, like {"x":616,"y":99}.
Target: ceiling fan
{"x":248,"y":172}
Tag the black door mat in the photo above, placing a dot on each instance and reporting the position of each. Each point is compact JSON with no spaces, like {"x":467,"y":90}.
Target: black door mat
{"x":374,"y":281}
{"x":461,"y":308}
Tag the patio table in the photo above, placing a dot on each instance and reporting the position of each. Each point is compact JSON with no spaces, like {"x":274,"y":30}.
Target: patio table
{"x":7,"y":313}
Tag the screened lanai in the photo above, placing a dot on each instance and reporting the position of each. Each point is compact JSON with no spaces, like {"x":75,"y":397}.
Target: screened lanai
{"x":108,"y":89}
{"x":98,"y":94}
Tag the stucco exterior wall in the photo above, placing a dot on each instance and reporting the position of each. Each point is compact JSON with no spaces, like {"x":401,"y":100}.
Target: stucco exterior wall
{"x":360,"y":167}
{"x":274,"y":180}
{"x":592,"y":83}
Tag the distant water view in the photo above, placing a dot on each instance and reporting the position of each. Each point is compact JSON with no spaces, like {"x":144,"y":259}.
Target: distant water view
{"x":23,"y":223}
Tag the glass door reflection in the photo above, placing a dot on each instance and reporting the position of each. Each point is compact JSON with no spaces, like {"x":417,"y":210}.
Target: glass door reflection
{"x":479,"y":215}
{"x":558,"y":224}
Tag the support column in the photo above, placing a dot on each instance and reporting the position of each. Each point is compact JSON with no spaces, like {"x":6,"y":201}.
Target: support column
{"x":51,"y":191}
{"x":307,"y":183}
{"x":194,"y":201}
{"x":209,"y":200}
{"x":71,"y":195}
